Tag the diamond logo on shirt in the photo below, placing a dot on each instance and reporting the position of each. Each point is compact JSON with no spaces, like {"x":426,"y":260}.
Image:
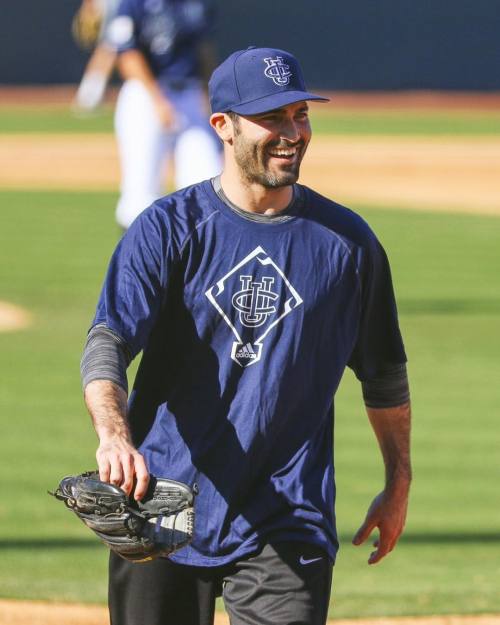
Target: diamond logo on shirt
{"x":253,"y":298}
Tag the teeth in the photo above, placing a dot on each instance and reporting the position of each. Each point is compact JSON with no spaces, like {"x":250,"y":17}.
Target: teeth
{"x":282,"y":152}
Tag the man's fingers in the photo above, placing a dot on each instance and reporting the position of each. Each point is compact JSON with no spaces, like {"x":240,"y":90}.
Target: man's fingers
{"x":364,"y":531}
{"x":388,"y":516}
{"x":128,"y":473}
{"x":142,"y":477}
{"x":377,"y":555}
{"x":122,"y":467}
{"x":384,"y":545}
{"x":116,"y":475}
{"x":104,"y":468}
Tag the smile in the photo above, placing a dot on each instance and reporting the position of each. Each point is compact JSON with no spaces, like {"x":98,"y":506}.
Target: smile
{"x":283,"y":152}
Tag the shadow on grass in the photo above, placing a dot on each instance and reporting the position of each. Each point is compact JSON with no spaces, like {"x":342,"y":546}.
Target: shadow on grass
{"x":408,"y":538}
{"x":50,"y":543}
{"x":480,"y":306}
{"x":430,"y":538}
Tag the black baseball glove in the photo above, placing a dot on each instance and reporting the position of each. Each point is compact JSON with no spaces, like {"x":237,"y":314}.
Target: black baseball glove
{"x":158,"y":525}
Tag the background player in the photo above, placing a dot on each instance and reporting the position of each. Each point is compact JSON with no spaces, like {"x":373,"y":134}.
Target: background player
{"x":94,"y":15}
{"x":248,"y":294}
{"x":164,"y":58}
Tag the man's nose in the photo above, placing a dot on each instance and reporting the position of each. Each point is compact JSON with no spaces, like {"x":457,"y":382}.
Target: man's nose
{"x":290,"y":131}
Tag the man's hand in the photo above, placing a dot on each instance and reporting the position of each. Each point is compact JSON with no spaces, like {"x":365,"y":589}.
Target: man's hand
{"x":122,"y":465}
{"x":165,"y":112}
{"x":387,"y":512}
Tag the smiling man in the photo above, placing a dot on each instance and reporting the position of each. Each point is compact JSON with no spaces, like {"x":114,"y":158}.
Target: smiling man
{"x":248,"y":295}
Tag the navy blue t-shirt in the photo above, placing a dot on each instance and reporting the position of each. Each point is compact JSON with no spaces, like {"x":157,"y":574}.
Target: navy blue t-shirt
{"x":167,"y":32}
{"x":246,"y":328}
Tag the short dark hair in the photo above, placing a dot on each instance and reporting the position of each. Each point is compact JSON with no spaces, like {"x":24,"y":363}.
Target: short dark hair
{"x":234,"y":117}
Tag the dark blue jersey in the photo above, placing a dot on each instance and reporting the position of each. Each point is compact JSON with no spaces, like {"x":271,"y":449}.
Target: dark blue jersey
{"x":167,"y":32}
{"x":246,"y":328}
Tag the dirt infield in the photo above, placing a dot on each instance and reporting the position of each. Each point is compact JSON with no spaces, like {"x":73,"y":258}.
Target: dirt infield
{"x":454,"y":173}
{"x":447,"y":173}
{"x":37,"y":613}
{"x":13,"y":317}
{"x":58,"y":162}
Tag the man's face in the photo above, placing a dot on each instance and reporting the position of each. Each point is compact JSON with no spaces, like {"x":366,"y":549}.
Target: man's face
{"x":268,"y":148}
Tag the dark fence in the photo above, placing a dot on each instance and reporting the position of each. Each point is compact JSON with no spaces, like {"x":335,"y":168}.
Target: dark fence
{"x":355,"y":45}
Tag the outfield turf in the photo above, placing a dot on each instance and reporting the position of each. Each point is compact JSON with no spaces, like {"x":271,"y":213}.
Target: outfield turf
{"x":324,"y":119}
{"x":53,"y":253}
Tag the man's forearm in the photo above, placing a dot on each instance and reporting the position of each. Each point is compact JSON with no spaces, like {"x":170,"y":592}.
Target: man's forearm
{"x":107,"y":405}
{"x":132,"y":64}
{"x":387,"y":511}
{"x":392,"y":428}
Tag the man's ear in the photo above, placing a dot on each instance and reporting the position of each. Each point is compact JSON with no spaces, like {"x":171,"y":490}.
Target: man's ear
{"x":223,"y":126}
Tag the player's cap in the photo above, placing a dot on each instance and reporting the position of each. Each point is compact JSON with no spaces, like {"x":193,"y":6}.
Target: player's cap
{"x":257,"y":80}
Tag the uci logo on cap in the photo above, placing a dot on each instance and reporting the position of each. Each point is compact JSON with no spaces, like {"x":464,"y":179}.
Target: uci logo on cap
{"x":278,"y":71}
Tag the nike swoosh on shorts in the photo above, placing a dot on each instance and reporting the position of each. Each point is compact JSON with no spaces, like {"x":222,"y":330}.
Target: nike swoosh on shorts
{"x":304,"y":561}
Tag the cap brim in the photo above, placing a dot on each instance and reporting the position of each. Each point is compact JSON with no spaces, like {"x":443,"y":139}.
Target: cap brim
{"x":275,"y":101}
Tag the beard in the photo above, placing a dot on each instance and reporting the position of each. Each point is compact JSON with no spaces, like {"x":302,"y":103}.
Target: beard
{"x":253,"y":162}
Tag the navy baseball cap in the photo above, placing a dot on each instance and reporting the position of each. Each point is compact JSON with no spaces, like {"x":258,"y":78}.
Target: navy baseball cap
{"x":257,"y":80}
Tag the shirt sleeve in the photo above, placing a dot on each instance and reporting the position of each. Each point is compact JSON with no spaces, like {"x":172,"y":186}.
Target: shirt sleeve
{"x":379,"y":345}
{"x":122,"y":32}
{"x":135,"y":286}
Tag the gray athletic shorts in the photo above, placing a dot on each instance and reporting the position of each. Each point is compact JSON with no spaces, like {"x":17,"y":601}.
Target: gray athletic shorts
{"x":286,"y":583}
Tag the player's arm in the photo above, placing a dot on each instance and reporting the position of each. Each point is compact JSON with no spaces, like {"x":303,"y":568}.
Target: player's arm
{"x":128,"y":308}
{"x":391,"y":424}
{"x":118,"y":460}
{"x":132,"y":64}
{"x":378,"y":359}
{"x":105,"y":359}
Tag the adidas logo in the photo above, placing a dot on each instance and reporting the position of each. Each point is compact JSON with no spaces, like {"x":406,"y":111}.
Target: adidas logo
{"x":246,"y":352}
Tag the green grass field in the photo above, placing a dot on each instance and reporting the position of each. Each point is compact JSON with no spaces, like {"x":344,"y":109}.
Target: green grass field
{"x":53,"y":253}
{"x":358,"y":122}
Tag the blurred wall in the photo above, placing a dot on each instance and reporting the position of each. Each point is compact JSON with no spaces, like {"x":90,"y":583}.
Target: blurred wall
{"x":355,"y":45}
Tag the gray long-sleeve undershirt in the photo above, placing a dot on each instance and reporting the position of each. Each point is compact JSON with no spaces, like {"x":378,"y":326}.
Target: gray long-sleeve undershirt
{"x":106,"y":356}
